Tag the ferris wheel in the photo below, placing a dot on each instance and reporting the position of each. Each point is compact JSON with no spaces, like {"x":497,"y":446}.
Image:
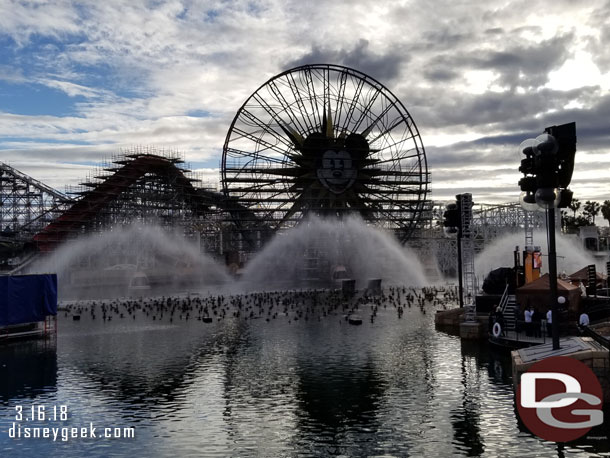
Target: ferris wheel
{"x":326,"y":140}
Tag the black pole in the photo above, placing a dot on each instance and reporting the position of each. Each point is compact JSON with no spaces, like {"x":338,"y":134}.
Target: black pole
{"x":459,"y":259}
{"x":553,"y":277}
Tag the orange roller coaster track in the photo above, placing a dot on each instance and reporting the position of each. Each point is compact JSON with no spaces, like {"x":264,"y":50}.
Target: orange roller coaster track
{"x":96,"y":200}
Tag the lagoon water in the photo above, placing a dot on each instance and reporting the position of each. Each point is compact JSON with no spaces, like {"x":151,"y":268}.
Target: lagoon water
{"x":236,"y":387}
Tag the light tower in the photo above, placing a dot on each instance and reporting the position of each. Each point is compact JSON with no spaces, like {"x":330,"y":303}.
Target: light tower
{"x":547,"y":169}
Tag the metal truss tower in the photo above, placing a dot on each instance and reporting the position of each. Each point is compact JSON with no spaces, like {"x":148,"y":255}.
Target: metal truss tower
{"x":26,"y":204}
{"x":489,"y":222}
{"x":466,"y":239}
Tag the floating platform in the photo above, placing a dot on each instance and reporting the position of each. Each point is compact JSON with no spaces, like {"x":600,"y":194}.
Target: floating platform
{"x":514,"y":340}
{"x":354,"y":319}
{"x":584,"y":349}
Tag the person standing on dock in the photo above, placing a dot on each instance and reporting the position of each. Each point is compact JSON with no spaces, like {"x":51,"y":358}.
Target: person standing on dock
{"x":583,"y":290}
{"x":537,"y":322}
{"x":584,"y":319}
{"x":528,"y":321}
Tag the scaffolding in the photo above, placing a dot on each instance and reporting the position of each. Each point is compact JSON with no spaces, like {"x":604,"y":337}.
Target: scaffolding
{"x":489,"y":222}
{"x":492,"y":221}
{"x":470,"y":289}
{"x":26,"y":204}
{"x":138,"y":186}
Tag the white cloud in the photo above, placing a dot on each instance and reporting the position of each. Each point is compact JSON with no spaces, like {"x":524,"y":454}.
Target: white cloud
{"x":71,"y":89}
{"x":175,"y":74}
{"x":578,"y":72}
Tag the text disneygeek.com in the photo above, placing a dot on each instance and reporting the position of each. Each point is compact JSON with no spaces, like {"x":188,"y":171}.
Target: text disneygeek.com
{"x":64,"y":433}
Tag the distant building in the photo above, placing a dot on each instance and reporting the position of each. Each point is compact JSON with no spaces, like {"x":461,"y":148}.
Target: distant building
{"x":589,"y":237}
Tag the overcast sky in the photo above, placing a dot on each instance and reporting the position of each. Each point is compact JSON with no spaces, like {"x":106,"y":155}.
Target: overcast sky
{"x":81,"y":80}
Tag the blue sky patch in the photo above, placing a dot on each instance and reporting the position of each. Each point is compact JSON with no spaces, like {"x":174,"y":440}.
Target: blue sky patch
{"x":36,"y":99}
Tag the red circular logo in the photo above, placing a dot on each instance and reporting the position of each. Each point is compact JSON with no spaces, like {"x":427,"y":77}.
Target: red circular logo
{"x":559,"y":399}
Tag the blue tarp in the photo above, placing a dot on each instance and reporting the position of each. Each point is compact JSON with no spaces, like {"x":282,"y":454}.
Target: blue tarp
{"x":27,"y":298}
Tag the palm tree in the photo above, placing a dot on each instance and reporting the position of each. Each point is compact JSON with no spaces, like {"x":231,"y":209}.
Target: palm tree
{"x":574,"y":206}
{"x":606,"y":210}
{"x":591,"y":209}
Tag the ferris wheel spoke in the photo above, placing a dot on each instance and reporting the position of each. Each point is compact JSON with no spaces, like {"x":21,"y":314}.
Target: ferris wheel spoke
{"x":393,"y":191}
{"x":296,"y":92}
{"x":326,"y":82}
{"x":366,"y":111}
{"x":389,"y":129}
{"x":383,"y":199}
{"x":258,"y":154}
{"x":305,"y":106}
{"x":255,"y":157}
{"x":312,"y":97}
{"x":389,"y":216}
{"x":341,"y":94}
{"x":268,"y":213}
{"x":270,"y":110}
{"x":269,"y":201}
{"x":392,"y":173}
{"x":279,"y":97}
{"x":261,"y":185}
{"x":394,"y":160}
{"x":293,"y":135}
{"x":373,"y":123}
{"x":296,"y":206}
{"x":396,"y":145}
{"x":402,"y":176}
{"x":379,"y":189}
{"x":387,"y":184}
{"x":352,"y":106}
{"x":266,"y":128}
{"x":257,"y":172}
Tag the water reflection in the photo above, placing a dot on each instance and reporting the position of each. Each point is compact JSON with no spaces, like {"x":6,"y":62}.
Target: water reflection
{"x":144,"y":366}
{"x":27,"y":368}
{"x":333,"y":395}
{"x":465,"y":419}
{"x":256,"y":388}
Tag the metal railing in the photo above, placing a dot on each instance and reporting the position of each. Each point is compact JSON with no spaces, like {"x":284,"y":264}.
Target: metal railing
{"x":587,"y":331}
{"x":504,"y":299}
{"x":521,"y":333}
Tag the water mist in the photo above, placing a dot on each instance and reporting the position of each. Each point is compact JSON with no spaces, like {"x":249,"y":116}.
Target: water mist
{"x":134,"y":260}
{"x":365,"y":253}
{"x":571,"y":257}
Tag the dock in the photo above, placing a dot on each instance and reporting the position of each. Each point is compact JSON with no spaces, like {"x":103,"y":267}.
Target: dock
{"x":584,"y":349}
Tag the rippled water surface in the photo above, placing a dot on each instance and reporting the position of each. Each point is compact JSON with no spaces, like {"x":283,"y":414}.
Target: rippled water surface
{"x":235,"y":387}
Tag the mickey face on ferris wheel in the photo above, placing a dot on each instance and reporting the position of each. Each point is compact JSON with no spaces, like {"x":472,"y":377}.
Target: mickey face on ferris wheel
{"x":337,"y":171}
{"x":337,"y":160}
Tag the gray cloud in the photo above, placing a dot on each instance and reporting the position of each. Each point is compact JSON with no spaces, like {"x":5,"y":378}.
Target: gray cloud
{"x":384,"y":67}
{"x":506,"y":110}
{"x":446,"y":36}
{"x":525,"y":65}
{"x":440,"y":74}
{"x":140,"y":80}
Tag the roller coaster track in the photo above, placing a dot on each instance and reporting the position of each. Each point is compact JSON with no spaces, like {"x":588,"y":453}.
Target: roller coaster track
{"x":26,"y":204}
{"x":97,"y":200}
